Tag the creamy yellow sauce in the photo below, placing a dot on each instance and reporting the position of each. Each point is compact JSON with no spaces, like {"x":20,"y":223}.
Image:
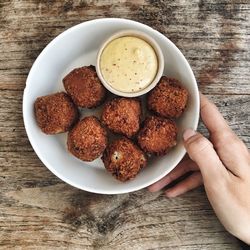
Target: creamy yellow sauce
{"x":128,"y":64}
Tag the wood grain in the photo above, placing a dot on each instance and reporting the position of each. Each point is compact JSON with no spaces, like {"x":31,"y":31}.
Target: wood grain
{"x":37,"y":210}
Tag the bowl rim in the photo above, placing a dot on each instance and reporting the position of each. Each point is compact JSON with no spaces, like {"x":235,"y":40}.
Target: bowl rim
{"x":147,"y":38}
{"x":26,"y":115}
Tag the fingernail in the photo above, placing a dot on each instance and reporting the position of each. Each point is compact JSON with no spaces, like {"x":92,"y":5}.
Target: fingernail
{"x":188,"y":133}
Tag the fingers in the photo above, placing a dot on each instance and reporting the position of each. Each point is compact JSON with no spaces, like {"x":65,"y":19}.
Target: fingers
{"x":233,"y":153}
{"x":191,"y":182}
{"x":211,"y":116}
{"x":231,"y":149}
{"x":201,"y":151}
{"x":183,"y":167}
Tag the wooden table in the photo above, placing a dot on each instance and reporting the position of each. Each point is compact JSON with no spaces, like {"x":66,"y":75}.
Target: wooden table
{"x":39,"y":211}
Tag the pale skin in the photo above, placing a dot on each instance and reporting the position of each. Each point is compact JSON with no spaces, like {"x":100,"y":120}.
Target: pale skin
{"x":222,"y":164}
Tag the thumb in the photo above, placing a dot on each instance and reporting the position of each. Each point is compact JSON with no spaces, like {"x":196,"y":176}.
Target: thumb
{"x":201,"y":151}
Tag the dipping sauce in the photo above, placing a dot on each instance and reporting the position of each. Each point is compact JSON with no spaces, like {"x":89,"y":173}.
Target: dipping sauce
{"x":128,"y":64}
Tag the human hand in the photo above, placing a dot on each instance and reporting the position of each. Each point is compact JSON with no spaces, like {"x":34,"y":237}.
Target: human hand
{"x":223,"y":164}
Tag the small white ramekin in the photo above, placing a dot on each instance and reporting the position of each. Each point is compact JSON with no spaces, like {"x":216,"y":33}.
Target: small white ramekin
{"x":150,"y":41}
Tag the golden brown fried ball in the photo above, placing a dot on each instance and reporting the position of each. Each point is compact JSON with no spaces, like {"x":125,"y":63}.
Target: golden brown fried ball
{"x":122,"y":116}
{"x":123,"y":159}
{"x":158,"y":135}
{"x":55,"y":113}
{"x":88,"y":139}
{"x":84,"y":87}
{"x":168,"y":98}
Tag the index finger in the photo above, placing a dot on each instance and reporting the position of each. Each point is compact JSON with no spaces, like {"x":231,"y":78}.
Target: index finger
{"x":228,"y":146}
{"x":211,"y":116}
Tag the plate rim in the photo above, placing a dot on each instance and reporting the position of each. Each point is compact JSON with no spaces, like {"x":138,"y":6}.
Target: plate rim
{"x":43,"y":159}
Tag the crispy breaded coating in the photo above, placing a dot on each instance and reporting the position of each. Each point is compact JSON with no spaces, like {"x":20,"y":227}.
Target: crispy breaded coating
{"x":168,"y":98}
{"x":84,"y":87}
{"x":88,"y":139}
{"x":55,"y":113}
{"x":123,"y":159}
{"x":122,"y":116}
{"x":158,"y":135}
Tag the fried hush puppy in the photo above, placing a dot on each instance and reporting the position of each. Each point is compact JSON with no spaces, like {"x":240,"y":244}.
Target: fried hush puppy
{"x":168,"y":98}
{"x":84,"y":87}
{"x":158,"y":135}
{"x":123,"y":159}
{"x":88,"y":139}
{"x":55,"y":113}
{"x":122,"y":116}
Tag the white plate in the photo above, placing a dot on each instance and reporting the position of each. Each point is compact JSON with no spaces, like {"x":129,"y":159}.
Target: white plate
{"x":77,"y":47}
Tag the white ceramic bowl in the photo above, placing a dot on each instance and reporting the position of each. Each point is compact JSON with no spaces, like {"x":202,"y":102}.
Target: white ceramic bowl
{"x":150,"y":41}
{"x":78,"y":46}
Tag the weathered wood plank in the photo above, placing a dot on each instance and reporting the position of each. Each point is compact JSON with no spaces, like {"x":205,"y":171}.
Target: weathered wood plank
{"x":11,"y":122}
{"x":213,"y":35}
{"x":78,"y":219}
{"x":29,"y":189}
{"x":39,"y":211}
